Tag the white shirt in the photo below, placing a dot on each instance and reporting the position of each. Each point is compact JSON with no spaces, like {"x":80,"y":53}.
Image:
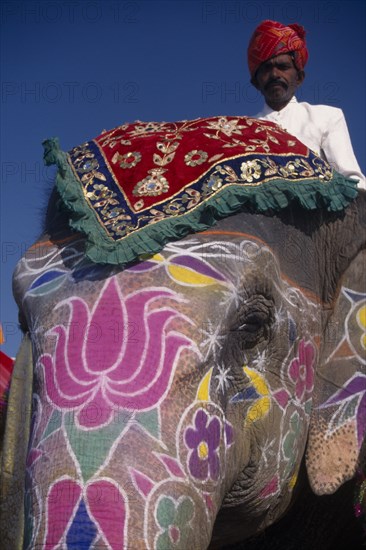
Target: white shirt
{"x":323,"y":129}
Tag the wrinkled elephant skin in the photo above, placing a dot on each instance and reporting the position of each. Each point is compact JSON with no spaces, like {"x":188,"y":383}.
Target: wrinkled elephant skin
{"x":193,"y":380}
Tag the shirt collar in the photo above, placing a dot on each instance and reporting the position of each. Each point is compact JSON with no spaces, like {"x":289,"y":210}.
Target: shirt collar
{"x":268,"y":110}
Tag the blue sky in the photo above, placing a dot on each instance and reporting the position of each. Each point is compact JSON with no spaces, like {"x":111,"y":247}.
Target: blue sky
{"x":71,"y":68}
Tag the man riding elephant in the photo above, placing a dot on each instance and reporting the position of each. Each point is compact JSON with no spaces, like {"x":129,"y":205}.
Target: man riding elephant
{"x":194,"y":318}
{"x":277,"y":55}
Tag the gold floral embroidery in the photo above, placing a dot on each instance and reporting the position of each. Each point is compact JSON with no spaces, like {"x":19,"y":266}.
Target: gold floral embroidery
{"x":128,"y":160}
{"x":86,"y":165}
{"x":227,"y":127}
{"x":212,"y":184}
{"x":250,"y":170}
{"x":120,"y":214}
{"x":194,"y":158}
{"x":174,"y":208}
{"x":168,"y":149}
{"x":115,"y":215}
{"x":148,"y":128}
{"x":114,"y":137}
{"x":155,"y":184}
{"x":100,"y":193}
{"x":191,"y":197}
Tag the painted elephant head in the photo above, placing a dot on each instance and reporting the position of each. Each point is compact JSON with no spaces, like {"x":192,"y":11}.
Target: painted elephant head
{"x":186,"y":389}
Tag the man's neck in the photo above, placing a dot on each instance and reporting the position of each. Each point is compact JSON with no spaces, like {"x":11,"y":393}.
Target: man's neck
{"x":276,"y":107}
{"x":279,"y":107}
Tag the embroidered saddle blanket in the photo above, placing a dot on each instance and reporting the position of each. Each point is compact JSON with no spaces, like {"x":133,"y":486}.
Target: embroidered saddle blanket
{"x":139,"y":185}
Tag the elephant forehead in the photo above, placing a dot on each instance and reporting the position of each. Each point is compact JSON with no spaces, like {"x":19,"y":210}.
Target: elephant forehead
{"x":197,"y":276}
{"x":53,"y":272}
{"x":205,"y":262}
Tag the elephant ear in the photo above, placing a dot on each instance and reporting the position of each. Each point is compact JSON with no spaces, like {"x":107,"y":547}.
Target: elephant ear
{"x":338,"y":421}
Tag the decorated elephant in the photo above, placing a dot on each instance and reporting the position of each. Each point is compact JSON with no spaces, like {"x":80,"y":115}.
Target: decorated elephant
{"x":194,"y":319}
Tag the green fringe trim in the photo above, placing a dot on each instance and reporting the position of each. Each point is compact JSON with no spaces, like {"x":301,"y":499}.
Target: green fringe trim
{"x":275,"y":195}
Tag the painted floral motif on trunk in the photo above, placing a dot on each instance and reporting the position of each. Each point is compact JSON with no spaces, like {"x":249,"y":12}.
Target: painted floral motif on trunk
{"x":301,"y":370}
{"x":98,"y":368}
{"x":173,"y":518}
{"x":203,"y":439}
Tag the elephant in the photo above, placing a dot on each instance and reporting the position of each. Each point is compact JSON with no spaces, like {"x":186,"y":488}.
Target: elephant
{"x":175,"y":400}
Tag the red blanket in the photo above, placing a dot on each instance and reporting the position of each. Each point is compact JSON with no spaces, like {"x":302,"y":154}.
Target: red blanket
{"x":135,"y":187}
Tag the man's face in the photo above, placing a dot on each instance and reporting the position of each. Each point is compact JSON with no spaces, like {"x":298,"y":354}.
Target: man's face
{"x":277,"y":79}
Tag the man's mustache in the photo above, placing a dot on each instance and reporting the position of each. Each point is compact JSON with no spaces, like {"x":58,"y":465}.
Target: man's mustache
{"x":276,"y":81}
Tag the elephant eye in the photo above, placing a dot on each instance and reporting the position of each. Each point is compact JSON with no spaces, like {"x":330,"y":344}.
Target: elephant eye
{"x":253,"y":322}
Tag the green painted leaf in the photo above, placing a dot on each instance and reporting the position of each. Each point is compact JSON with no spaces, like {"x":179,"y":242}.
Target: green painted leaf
{"x":150,"y":422}
{"x":92,"y":447}
{"x":165,"y":513}
{"x":308,"y":406}
{"x":53,"y":425}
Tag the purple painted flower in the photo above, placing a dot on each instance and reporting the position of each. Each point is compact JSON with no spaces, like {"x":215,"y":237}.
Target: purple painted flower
{"x":204,"y":440}
{"x":301,"y":369}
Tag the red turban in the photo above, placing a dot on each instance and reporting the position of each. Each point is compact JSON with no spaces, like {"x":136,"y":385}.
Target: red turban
{"x":271,"y":38}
